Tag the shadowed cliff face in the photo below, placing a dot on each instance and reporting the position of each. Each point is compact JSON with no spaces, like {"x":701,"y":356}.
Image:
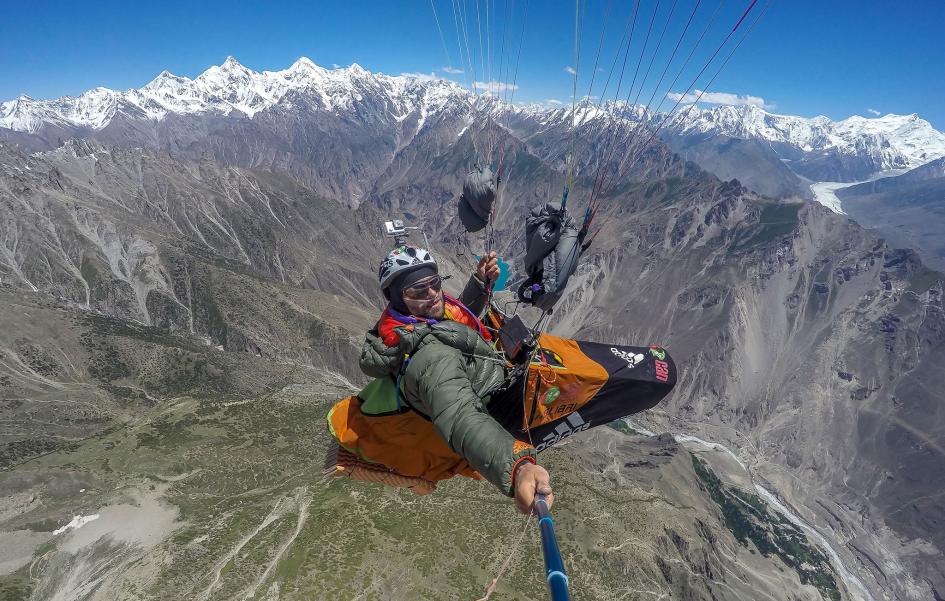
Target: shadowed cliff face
{"x":908,"y":209}
{"x":804,"y":342}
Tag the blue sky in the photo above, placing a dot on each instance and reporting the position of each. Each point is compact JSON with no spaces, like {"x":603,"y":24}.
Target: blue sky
{"x":834,"y":57}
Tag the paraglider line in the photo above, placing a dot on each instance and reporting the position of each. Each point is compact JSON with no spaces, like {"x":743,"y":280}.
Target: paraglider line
{"x":636,"y":73}
{"x":714,"y":76}
{"x":600,"y":179}
{"x":600,"y":45}
{"x":442,"y":38}
{"x":511,"y":96}
{"x":577,"y":66}
{"x":634,"y":156}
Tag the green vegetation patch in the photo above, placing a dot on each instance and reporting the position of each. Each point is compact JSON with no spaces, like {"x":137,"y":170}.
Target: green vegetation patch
{"x":665,"y":191}
{"x":622,"y":426}
{"x":38,"y":358}
{"x":749,"y":520}
{"x":923,"y":279}
{"x":776,"y":220}
{"x":15,"y":589}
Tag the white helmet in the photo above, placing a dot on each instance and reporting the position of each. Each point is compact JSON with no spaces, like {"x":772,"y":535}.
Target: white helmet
{"x":401,"y":260}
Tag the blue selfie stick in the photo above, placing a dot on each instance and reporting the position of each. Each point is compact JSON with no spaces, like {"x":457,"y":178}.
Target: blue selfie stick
{"x":557,"y":579}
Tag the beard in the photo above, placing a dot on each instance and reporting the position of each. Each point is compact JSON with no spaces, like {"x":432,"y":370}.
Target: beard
{"x":430,"y":309}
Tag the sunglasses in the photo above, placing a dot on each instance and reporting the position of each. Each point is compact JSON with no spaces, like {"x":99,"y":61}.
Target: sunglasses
{"x":425,"y":289}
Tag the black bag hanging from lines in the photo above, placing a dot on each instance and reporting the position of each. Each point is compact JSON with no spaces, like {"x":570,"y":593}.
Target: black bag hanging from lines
{"x":552,"y":250}
{"x":475,"y":203}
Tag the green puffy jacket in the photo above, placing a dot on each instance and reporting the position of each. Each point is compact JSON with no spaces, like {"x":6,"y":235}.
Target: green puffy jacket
{"x":451,"y":374}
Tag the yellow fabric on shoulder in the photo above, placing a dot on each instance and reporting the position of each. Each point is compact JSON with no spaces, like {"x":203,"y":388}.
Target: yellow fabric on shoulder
{"x":448,"y":312}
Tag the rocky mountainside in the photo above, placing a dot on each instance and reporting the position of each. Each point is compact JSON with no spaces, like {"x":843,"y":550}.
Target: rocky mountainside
{"x":161,"y":271}
{"x":908,"y":209}
{"x":174,"y":334}
{"x":752,"y":162}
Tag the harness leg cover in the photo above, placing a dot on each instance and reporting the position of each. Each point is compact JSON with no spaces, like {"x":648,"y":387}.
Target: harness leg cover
{"x":578,"y":385}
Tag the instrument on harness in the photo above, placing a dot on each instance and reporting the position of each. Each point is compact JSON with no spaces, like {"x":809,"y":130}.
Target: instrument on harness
{"x":516,"y":339}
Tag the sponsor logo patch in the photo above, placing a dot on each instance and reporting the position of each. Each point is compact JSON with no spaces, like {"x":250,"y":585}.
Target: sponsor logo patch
{"x":573,"y":423}
{"x":658,"y":353}
{"x":662,"y":370}
{"x":632,"y":359}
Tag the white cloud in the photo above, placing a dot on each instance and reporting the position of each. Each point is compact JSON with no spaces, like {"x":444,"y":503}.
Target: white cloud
{"x":570,"y":70}
{"x":421,"y":76}
{"x":873,"y":112}
{"x":722,"y":98}
{"x":554,"y":101}
{"x":495,"y":86}
{"x":451,"y":70}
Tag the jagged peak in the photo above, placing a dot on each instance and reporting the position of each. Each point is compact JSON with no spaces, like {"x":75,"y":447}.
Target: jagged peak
{"x":231,"y":63}
{"x":99,"y":91}
{"x":229,"y":68}
{"x":303,"y":62}
{"x":357,"y":69}
{"x":163,"y":78}
{"x":232,"y":86}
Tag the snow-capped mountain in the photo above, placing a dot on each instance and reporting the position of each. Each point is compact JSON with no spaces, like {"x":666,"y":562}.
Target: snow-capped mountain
{"x":232,"y":87}
{"x":305,"y":119}
{"x":770,"y":153}
{"x":893,"y":141}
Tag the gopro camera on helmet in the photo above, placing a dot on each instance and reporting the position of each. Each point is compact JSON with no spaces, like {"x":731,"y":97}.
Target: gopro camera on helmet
{"x":396,"y":229}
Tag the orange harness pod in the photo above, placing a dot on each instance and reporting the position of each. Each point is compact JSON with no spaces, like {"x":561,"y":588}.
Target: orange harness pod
{"x":372,"y":427}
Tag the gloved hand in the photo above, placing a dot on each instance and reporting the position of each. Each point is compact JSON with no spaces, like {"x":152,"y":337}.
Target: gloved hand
{"x":529,"y":480}
{"x":488,"y":268}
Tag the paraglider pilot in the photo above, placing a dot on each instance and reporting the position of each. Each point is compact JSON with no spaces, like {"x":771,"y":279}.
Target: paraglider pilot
{"x":442,"y":361}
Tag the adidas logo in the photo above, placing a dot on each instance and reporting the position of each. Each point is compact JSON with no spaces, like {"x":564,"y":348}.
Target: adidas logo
{"x":563,"y":430}
{"x":632,"y":359}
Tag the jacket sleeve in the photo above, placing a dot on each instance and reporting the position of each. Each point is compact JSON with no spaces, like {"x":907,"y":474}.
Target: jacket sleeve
{"x":474,"y":295}
{"x":377,"y":359}
{"x":438,"y":382}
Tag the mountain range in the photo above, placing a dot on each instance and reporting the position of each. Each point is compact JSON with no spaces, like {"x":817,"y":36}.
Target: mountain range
{"x":818,"y":148}
{"x":186,"y":270}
